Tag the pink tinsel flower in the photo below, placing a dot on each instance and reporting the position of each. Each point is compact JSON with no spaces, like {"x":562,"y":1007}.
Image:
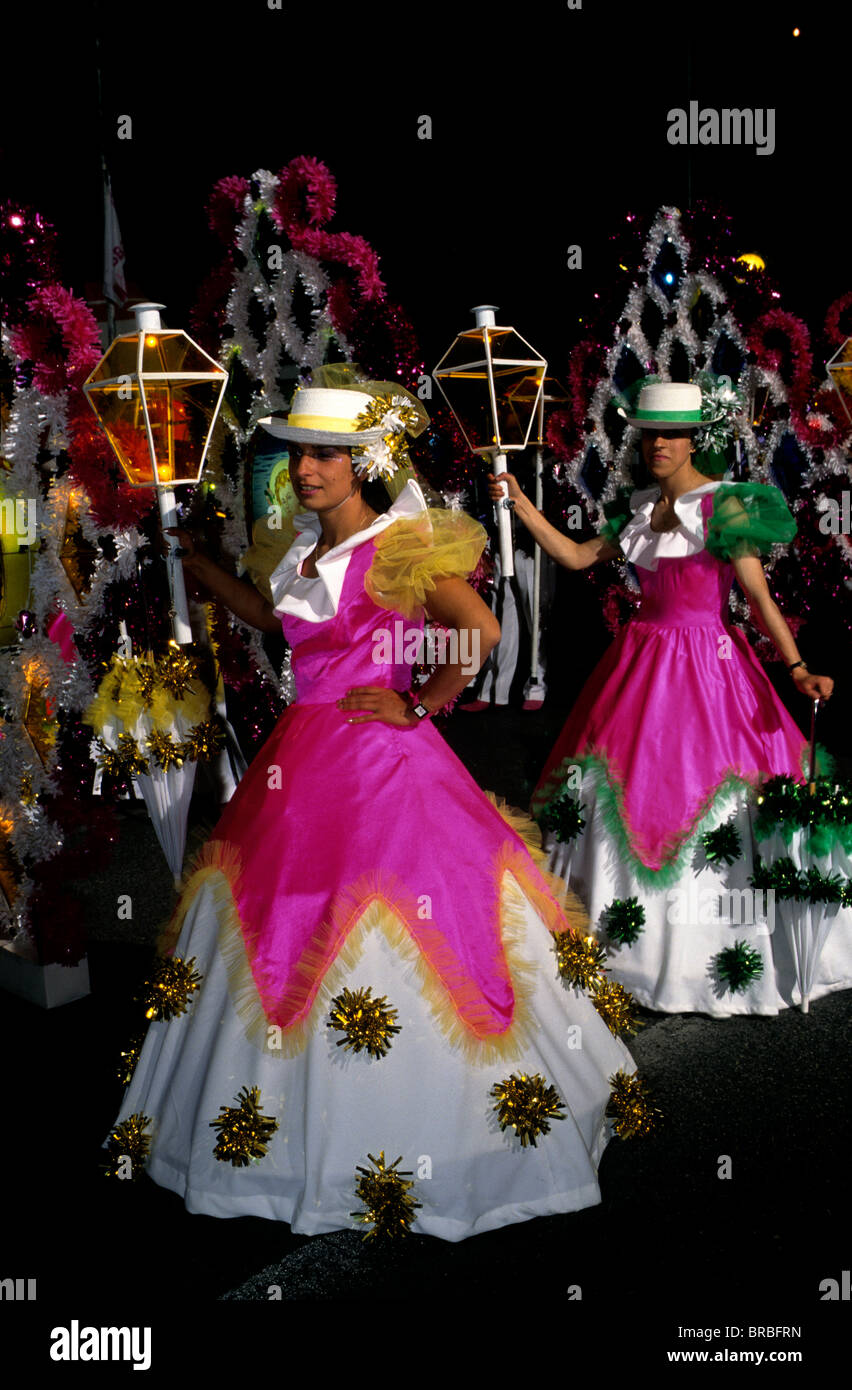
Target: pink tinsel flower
{"x":306,"y":194}
{"x":58,"y":366}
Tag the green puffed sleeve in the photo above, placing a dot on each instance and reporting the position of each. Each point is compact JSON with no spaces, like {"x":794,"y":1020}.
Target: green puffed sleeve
{"x":617,"y":513}
{"x":748,"y":519}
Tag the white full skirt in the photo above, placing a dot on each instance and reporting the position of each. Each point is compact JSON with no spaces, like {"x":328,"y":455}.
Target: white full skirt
{"x":670,"y":967}
{"x":424,"y":1100}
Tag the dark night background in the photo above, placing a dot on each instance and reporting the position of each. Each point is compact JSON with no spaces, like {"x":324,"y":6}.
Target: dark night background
{"x":549,"y":126}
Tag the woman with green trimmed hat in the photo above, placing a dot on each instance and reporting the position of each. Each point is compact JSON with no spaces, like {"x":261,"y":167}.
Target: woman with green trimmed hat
{"x":375,"y":941}
{"x":674,"y":733}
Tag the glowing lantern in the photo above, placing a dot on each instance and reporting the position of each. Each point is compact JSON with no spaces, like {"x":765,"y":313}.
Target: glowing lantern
{"x":492,"y":380}
{"x":157,"y":395}
{"x":839,"y":368}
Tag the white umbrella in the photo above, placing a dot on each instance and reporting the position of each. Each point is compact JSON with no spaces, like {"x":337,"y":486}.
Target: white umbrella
{"x":807,"y":922}
{"x":167,"y":796}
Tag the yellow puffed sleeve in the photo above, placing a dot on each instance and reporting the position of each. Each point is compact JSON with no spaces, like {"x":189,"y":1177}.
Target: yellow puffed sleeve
{"x":413,"y":553}
{"x":268,"y":548}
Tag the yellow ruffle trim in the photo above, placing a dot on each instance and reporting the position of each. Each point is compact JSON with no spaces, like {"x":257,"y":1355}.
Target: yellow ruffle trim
{"x":369,"y":905}
{"x":413,"y":553}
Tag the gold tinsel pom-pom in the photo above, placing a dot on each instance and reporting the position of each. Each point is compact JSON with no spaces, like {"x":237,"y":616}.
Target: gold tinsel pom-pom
{"x":124,"y":761}
{"x":244,"y":1131}
{"x":176,"y":671}
{"x":630,"y":1106}
{"x":615,"y":1006}
{"x":128,"y":1141}
{"x":163,"y":751}
{"x":580,"y":959}
{"x":205,"y":742}
{"x":528,"y":1104}
{"x":166,"y":994}
{"x":385,"y":1193}
{"x":129,"y":1058}
{"x":366,"y":1023}
{"x":146,"y":674}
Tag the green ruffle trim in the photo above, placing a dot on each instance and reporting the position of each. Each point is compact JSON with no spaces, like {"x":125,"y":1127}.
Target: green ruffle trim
{"x":679,"y":850}
{"x":748,"y":519}
{"x":610,"y":800}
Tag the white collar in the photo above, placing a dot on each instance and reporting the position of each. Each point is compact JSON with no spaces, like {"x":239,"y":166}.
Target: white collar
{"x":316,"y":599}
{"x":642,"y":546}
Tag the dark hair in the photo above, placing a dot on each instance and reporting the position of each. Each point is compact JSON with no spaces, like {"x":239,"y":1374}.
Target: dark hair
{"x":375,"y":494}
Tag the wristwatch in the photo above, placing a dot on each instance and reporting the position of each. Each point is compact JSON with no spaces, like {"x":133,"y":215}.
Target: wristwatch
{"x":417,"y":705}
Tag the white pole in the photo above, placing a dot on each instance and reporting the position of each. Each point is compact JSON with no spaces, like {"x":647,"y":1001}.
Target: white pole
{"x":484,"y":314}
{"x":539,"y":502}
{"x":504,"y":521}
{"x":179,"y":611}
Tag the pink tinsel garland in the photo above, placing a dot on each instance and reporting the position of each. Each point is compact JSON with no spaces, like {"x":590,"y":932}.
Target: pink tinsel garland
{"x":833,"y":330}
{"x":304,"y":200}
{"x":797,"y":341}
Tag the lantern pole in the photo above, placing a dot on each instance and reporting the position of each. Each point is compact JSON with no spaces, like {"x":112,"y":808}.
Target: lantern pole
{"x":179,"y":611}
{"x":485,"y":319}
{"x":148,"y":321}
{"x":539,"y":502}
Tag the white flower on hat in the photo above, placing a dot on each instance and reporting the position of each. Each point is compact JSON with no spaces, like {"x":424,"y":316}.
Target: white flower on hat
{"x":394,"y":415}
{"x":376,"y":461}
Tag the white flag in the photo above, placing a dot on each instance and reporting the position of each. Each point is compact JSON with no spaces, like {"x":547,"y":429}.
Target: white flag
{"x":115,"y":287}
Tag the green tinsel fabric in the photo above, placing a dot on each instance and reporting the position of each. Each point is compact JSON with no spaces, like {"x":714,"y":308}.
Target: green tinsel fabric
{"x":748,"y":519}
{"x":617,"y":513}
{"x":786,"y":806}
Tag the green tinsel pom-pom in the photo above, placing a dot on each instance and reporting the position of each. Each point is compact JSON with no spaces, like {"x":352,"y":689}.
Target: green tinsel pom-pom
{"x":738,"y":966}
{"x":824,"y":888}
{"x":804,"y":885}
{"x":625,"y":918}
{"x":563,"y":815}
{"x":723,"y":843}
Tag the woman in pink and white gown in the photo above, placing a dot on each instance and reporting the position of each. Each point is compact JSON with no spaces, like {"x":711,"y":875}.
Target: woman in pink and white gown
{"x":674,"y":731}
{"x":358,"y":853}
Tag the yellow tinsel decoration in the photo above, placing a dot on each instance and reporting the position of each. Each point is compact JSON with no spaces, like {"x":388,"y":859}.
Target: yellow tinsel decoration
{"x":615,"y":1006}
{"x":580,"y":959}
{"x":373,"y":415}
{"x":630,"y":1106}
{"x":163,"y":751}
{"x":124,"y":761}
{"x":365,"y":1022}
{"x":28,"y":796}
{"x":244,"y":1132}
{"x":128,"y":1140}
{"x":166,"y":994}
{"x":205,"y":742}
{"x":147,"y":675}
{"x":385,"y":1193}
{"x":527,"y":1103}
{"x":129,"y":1058}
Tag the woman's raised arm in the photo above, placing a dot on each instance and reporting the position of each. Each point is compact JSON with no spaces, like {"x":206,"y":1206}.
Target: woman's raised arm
{"x":572,"y":555}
